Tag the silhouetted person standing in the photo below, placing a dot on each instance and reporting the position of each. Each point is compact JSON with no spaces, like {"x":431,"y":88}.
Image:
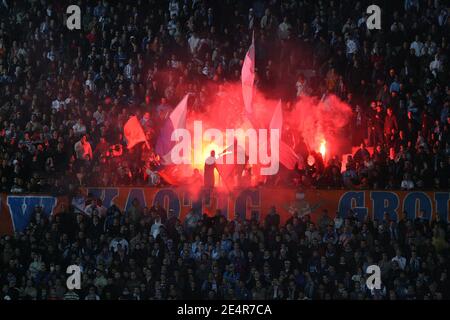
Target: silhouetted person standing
{"x":210,"y":164}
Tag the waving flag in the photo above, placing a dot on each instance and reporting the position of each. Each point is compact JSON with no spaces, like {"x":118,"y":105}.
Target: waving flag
{"x":176,"y":175}
{"x":134,"y":133}
{"x":277,"y":118}
{"x":287,"y":156}
{"x":176,"y":120}
{"x":248,"y":77}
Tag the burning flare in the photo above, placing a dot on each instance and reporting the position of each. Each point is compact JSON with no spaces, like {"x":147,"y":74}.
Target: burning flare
{"x":323,"y":148}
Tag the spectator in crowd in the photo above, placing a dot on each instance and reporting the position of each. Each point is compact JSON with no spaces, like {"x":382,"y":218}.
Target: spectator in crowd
{"x":83,"y":149}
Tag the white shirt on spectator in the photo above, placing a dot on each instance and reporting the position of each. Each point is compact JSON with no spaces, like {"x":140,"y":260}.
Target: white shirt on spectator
{"x":172,"y":27}
{"x":442,"y":18}
{"x":300,"y":88}
{"x":410,"y":4}
{"x":338,"y":221}
{"x":58,"y":104}
{"x":79,"y":128}
{"x":417,"y":46}
{"x":407,"y":185}
{"x":115,"y":243}
{"x":436,"y":66}
{"x":79,"y":203}
{"x":155,"y":230}
{"x":90,"y":84}
{"x":83,"y":151}
{"x":99,"y":116}
{"x":400,"y":260}
{"x":153,"y":177}
{"x":89,"y":210}
{"x":128,"y":71}
{"x":51,"y":55}
{"x":193,"y":41}
{"x":283,"y":30}
{"x":429,"y":48}
{"x":352,"y":47}
{"x":174,"y":8}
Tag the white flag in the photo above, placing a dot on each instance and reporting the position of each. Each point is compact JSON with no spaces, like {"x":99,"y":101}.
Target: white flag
{"x":248,"y":76}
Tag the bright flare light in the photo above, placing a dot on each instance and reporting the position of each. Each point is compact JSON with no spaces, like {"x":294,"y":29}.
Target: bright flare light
{"x":206,"y":152}
{"x":323,"y":148}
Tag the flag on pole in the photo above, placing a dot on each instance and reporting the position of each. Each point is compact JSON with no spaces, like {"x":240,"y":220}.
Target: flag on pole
{"x":248,"y":77}
{"x":287,"y":156}
{"x":176,"y":120}
{"x":134,"y":133}
{"x":277,"y":118}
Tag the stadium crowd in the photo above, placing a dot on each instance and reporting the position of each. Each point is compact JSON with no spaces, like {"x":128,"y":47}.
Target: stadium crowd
{"x":65,"y":95}
{"x":148,"y":253}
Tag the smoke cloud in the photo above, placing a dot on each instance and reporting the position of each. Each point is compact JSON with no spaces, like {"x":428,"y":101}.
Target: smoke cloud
{"x":316,"y":119}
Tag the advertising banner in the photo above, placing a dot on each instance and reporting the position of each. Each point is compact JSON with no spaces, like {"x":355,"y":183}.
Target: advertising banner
{"x":17,"y":210}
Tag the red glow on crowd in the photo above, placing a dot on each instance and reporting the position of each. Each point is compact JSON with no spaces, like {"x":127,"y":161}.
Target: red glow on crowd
{"x":323,"y":148}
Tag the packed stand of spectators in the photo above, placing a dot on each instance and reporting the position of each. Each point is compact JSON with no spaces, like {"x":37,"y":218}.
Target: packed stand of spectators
{"x":148,"y":253}
{"x":65,"y":95}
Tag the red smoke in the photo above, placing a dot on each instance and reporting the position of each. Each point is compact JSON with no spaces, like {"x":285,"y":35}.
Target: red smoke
{"x":317,"y":120}
{"x":321,"y":120}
